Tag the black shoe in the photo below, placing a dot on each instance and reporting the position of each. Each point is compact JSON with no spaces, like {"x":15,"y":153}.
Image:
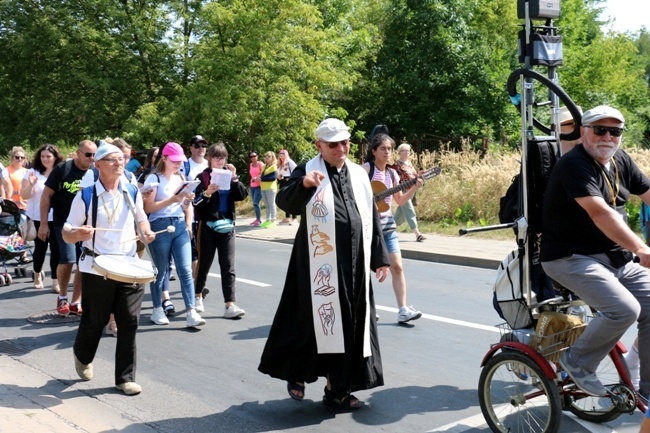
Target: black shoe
{"x":172,"y":277}
{"x":205,"y":292}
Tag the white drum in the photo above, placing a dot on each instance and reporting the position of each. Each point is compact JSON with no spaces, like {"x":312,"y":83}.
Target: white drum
{"x":124,"y":269}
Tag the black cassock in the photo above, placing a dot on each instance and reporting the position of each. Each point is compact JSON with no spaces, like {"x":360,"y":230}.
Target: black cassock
{"x":290,"y":352}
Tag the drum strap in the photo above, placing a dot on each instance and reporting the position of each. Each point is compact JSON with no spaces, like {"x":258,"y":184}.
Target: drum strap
{"x":93,"y":214}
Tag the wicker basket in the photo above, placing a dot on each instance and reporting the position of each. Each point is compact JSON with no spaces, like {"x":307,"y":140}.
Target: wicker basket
{"x":550,"y":346}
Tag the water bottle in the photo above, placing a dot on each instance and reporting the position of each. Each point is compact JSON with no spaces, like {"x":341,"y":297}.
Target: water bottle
{"x":524,"y":335}
{"x":579,"y":311}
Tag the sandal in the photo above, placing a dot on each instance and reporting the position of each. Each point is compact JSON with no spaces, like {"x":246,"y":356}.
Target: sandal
{"x":420,"y":238}
{"x":37,"y":277}
{"x":168,"y":307}
{"x":111,"y":328}
{"x":347,"y":402}
{"x":295,"y":386}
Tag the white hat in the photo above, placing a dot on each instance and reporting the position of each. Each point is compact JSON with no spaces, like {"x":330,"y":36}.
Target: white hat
{"x":601,"y":112}
{"x":566,"y":116}
{"x":106,"y":150}
{"x":332,"y":130}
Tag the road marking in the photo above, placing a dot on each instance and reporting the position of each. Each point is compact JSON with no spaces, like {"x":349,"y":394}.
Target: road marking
{"x":241,"y":280}
{"x":445,"y":320}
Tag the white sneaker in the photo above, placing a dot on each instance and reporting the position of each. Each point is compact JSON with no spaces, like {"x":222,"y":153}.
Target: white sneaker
{"x":198,"y":304}
{"x":408,"y":313}
{"x":158,"y":316}
{"x":233,"y":312}
{"x":194,"y":320}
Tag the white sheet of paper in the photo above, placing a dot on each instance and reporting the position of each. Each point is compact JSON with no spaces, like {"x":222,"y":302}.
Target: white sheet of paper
{"x":221,"y":178}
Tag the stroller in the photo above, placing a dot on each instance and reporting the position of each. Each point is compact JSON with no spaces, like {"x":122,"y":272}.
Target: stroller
{"x":12,"y":244}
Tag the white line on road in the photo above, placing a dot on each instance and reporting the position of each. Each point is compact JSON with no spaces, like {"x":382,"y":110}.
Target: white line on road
{"x":242,"y":280}
{"x":445,"y":320}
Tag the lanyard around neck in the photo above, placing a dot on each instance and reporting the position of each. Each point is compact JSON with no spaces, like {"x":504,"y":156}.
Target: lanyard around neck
{"x":613,"y":189}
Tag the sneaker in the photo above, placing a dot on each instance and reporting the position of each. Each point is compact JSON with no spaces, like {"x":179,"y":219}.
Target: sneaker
{"x":129,"y":388}
{"x":233,"y":312}
{"x":85,"y":371}
{"x":76,"y":309}
{"x":62,"y":307}
{"x":194,"y":320}
{"x":198,"y":304}
{"x":168,"y":308}
{"x":255,"y":223}
{"x":407,"y":314}
{"x":588,"y":382}
{"x":172,"y":277}
{"x":158,"y":316}
{"x":267,"y":224}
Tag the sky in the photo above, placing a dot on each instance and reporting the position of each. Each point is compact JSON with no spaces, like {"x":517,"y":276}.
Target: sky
{"x":630,"y":15}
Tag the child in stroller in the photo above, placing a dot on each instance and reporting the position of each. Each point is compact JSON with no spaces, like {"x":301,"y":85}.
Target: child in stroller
{"x":12,"y":244}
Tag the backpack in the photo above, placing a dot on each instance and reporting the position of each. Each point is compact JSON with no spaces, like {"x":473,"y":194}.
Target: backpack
{"x":542,"y":157}
{"x":508,"y":298}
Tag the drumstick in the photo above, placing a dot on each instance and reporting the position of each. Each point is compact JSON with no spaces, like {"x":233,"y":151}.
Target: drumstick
{"x":67,"y":227}
{"x":169,"y":229}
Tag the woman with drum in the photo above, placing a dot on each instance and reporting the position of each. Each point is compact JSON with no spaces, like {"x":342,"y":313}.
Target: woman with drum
{"x":215,"y":213}
{"x":170,"y":206}
{"x":46,"y":157}
{"x":103,"y":217}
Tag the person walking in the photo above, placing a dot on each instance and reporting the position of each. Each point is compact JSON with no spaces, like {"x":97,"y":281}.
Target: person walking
{"x":60,"y":188}
{"x":215,"y":213}
{"x":377,"y":158}
{"x":170,"y":207}
{"x":406,"y":211}
{"x":269,"y":187}
{"x":325,"y":323}
{"x":255,"y":172}
{"x":286,"y":165}
{"x":107,"y":207}
{"x":46,"y":157}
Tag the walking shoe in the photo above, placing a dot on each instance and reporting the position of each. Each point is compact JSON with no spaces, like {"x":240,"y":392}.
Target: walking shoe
{"x":255,"y":223}
{"x":85,"y":371}
{"x":129,"y":388}
{"x":194,"y":320}
{"x":233,"y":312}
{"x":76,"y":309}
{"x":588,"y":382}
{"x":168,"y":307}
{"x":407,"y":314}
{"x":267,"y":224}
{"x":62,"y":307}
{"x":198,"y":304}
{"x":172,"y":277}
{"x":158,"y":316}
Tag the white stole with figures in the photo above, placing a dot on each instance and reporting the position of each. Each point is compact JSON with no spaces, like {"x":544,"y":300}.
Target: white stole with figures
{"x":326,"y":306}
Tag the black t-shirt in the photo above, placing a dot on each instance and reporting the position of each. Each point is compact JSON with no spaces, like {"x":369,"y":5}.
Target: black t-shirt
{"x":566,"y":227}
{"x":64,"y":189}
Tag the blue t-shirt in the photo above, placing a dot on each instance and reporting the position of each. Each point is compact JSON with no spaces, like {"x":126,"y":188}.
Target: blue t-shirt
{"x":133,"y":165}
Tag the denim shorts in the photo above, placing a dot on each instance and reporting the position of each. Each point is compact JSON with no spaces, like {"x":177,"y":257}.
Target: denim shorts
{"x":392,"y":242}
{"x":68,"y":253}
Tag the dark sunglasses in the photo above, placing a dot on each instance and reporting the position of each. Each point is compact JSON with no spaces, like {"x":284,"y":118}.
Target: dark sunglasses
{"x":335,"y":144}
{"x":19,"y":158}
{"x":602,"y":130}
{"x":89,"y":154}
{"x":252,"y":156}
{"x":203,"y":145}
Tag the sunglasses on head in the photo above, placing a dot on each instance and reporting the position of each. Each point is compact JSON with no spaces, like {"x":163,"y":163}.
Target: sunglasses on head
{"x":335,"y":144}
{"x":602,"y":130}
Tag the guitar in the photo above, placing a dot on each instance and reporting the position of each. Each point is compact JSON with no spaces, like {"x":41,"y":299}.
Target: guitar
{"x":380,"y":192}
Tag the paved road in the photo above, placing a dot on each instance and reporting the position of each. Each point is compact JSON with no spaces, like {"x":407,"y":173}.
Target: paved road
{"x":207,"y":380}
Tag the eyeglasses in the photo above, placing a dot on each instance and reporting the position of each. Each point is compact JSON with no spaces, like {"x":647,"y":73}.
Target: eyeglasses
{"x":114,"y":160}
{"x":88,"y":154}
{"x":335,"y":144}
{"x":200,"y":145}
{"x":218,"y":157}
{"x":19,"y":158}
{"x":602,"y":130}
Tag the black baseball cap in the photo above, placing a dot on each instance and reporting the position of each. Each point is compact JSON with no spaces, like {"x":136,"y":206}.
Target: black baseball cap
{"x":198,"y":139}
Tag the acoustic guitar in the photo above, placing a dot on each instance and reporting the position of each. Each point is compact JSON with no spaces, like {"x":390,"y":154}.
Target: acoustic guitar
{"x":380,"y":192}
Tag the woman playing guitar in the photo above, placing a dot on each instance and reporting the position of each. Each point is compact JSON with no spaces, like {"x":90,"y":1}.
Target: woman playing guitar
{"x":379,"y":153}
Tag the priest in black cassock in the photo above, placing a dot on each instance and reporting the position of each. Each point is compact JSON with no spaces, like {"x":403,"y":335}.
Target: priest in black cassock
{"x":325,"y":325}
